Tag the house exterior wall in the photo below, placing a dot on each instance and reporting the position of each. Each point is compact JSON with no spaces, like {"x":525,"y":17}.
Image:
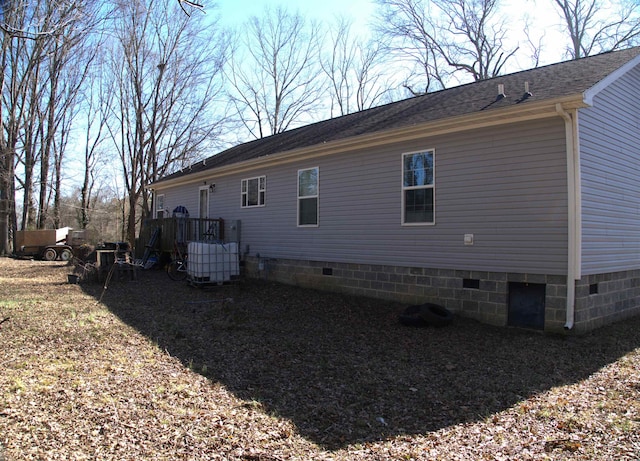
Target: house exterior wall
{"x":488,"y":303}
{"x":610,"y":170}
{"x":605,"y":298}
{"x":506,"y":186}
{"x":600,"y":299}
{"x":609,"y":134}
{"x":186,"y":196}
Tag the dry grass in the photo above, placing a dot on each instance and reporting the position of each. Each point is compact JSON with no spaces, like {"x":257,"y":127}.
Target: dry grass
{"x":258,"y":371}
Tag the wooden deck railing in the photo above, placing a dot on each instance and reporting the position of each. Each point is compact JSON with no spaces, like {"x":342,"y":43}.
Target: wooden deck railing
{"x":182,"y":230}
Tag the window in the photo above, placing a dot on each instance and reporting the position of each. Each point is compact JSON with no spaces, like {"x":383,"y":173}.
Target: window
{"x":308,"y":191}
{"x":417,"y":188}
{"x":254,"y":191}
{"x":160,"y":206}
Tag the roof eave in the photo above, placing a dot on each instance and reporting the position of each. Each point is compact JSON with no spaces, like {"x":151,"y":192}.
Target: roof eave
{"x":592,"y":92}
{"x":530,"y":110}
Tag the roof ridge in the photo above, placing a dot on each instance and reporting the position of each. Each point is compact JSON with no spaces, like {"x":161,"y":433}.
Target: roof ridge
{"x":570,"y":62}
{"x":555,"y":80}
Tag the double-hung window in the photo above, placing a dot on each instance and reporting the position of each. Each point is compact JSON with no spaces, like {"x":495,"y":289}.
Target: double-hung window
{"x":308,"y":193}
{"x":254,"y":191}
{"x":418,"y":188}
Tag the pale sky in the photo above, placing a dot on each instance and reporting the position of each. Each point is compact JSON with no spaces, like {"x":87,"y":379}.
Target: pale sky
{"x":235,"y":12}
{"x":544,"y":19}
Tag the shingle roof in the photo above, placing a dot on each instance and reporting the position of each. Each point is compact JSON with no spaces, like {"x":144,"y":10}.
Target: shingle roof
{"x":548,"y":82}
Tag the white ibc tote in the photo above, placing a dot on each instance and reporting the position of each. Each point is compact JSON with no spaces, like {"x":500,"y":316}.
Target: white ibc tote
{"x":212,"y":262}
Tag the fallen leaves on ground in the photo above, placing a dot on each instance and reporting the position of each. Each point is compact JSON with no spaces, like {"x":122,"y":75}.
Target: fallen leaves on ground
{"x":161,"y":370}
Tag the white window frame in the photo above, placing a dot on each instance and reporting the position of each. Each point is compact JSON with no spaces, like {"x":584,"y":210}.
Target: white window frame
{"x":159,"y":205}
{"x":316,"y":196}
{"x":262,"y":191}
{"x":431,"y":186}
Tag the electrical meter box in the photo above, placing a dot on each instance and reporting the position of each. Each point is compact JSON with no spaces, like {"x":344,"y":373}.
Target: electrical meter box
{"x":234,"y":231}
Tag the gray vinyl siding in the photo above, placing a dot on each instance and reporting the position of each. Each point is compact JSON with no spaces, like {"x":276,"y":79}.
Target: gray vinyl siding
{"x":506,"y":185}
{"x":610,"y":169}
{"x":186,"y":196}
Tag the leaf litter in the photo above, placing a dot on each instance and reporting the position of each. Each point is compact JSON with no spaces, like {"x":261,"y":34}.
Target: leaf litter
{"x":256,"y":370}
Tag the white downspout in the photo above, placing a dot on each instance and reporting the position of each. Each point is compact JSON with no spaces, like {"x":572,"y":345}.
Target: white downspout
{"x":574,"y":231}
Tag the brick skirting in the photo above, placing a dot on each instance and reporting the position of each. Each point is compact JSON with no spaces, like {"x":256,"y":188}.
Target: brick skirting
{"x":484,"y":296}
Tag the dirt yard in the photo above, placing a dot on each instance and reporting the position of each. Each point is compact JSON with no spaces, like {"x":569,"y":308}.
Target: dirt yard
{"x":159,"y":370}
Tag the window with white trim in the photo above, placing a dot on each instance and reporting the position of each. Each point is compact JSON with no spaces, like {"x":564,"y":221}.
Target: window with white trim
{"x":308,"y":193}
{"x":418,"y":187}
{"x":254,"y":191}
{"x":160,"y":206}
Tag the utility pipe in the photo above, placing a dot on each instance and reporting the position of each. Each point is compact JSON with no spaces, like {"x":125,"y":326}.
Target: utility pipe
{"x":574,"y":207}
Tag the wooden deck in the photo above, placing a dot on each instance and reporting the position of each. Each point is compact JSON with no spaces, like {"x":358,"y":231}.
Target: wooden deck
{"x":178,"y":230}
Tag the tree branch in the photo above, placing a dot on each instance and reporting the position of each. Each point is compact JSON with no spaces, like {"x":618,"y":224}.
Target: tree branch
{"x":192,"y":4}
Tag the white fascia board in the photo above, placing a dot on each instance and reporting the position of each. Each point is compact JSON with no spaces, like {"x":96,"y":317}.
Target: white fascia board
{"x":608,"y":80}
{"x":513,"y":114}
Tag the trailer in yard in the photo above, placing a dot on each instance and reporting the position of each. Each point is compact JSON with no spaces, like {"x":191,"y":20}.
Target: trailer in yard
{"x":49,"y":244}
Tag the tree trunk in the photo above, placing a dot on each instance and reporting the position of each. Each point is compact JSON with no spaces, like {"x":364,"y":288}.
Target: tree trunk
{"x":131,"y":220}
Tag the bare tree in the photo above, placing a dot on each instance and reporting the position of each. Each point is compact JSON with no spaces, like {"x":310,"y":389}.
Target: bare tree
{"x":354,"y":71}
{"x":69,"y":59}
{"x":30,"y":134}
{"x":447,"y":39}
{"x":166,"y":77}
{"x":191,"y":5}
{"x":40,"y":26}
{"x":18,"y":63}
{"x":96,"y":102}
{"x":39,"y":40}
{"x":275,"y":73}
{"x":409,"y":34}
{"x":596,"y":26}
{"x":476,"y":23}
{"x":534,"y":45}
